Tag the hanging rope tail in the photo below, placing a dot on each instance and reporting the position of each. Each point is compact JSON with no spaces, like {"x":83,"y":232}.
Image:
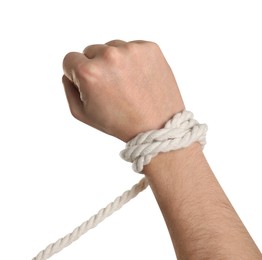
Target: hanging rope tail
{"x":179,"y":132}
{"x":93,"y":221}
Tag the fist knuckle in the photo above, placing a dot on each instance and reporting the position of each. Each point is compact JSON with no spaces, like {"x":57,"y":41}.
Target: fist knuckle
{"x":86,"y":72}
{"x":153,"y":45}
{"x":81,"y":69}
{"x":111,"y":54}
{"x":152,"y":48}
{"x":132,"y":47}
{"x":68,"y":58}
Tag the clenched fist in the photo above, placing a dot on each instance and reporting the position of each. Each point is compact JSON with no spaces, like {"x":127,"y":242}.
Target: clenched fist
{"x":121,"y":88}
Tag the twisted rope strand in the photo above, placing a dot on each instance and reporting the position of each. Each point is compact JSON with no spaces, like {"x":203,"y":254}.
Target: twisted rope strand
{"x":93,"y":221}
{"x":179,"y":132}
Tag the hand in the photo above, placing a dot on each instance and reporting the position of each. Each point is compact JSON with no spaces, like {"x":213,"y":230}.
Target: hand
{"x":121,"y":88}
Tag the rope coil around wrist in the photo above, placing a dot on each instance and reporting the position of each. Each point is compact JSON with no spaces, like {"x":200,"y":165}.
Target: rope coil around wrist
{"x":179,"y":132}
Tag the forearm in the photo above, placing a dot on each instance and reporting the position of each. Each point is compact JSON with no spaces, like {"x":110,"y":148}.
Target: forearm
{"x":201,"y":221}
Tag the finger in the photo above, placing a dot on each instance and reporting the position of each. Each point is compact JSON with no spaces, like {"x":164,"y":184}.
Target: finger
{"x":116,"y":43}
{"x":73,"y":98}
{"x":71,"y":64}
{"x":92,"y":51}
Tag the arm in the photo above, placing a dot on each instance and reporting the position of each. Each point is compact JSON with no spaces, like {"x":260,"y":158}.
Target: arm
{"x":123,"y":89}
{"x":200,"y":219}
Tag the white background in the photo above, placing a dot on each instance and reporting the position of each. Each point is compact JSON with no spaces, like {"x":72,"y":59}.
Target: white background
{"x":56,"y":172}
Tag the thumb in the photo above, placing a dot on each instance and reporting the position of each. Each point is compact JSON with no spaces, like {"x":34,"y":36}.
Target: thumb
{"x":73,"y":99}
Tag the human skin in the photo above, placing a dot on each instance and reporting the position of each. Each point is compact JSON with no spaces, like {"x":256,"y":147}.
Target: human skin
{"x":125,"y":88}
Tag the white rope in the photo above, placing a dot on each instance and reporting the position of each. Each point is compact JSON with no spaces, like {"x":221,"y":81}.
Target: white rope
{"x":92,"y":222}
{"x":179,"y":132}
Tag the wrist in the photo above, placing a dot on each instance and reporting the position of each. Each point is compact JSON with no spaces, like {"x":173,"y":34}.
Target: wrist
{"x":182,"y":158}
{"x":179,"y":132}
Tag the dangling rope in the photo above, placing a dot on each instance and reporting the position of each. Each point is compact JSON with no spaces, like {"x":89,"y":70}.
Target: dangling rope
{"x":179,"y":132}
{"x":92,"y":222}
